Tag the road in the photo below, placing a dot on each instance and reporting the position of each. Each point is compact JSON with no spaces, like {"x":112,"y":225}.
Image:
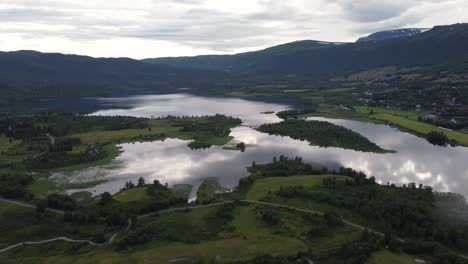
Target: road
{"x":51,"y":138}
{"x":23,"y":204}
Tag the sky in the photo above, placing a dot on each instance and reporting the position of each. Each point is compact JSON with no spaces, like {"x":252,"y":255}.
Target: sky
{"x":161,"y":28}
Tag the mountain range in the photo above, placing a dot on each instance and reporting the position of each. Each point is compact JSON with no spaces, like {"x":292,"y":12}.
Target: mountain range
{"x":30,"y":74}
{"x":442,"y":45}
{"x":392,"y":34}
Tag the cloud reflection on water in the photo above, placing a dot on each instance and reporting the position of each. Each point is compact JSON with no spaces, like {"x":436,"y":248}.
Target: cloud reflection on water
{"x":172,"y":161}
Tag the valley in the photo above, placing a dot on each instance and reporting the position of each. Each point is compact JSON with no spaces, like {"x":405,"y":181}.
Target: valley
{"x":304,"y":152}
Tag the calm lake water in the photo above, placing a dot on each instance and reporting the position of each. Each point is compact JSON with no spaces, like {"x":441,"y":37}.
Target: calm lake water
{"x":171,"y":161}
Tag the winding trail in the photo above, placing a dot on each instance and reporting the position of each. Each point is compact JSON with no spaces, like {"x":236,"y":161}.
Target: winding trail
{"x":67,"y":239}
{"x":113,"y":237}
{"x":23,"y":204}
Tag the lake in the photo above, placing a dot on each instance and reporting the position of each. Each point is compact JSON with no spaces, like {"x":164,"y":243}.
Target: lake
{"x":171,"y":161}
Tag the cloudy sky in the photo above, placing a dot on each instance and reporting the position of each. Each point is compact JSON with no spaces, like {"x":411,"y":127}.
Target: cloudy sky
{"x":157,"y":28}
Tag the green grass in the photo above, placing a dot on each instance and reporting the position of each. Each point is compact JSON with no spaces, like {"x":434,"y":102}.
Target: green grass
{"x":338,"y":90}
{"x":333,"y":239}
{"x":207,"y":190}
{"x":139,"y":193}
{"x":19,"y":224}
{"x":406,"y":120}
{"x":158,"y":127}
{"x":5,"y":143}
{"x":420,"y":127}
{"x":313,"y":99}
{"x":262,"y":187}
{"x":387,"y":257}
{"x":266,"y":188}
{"x":130,"y":195}
{"x":42,"y":187}
{"x":190,"y":226}
{"x":248,"y":225}
{"x":294,"y":91}
{"x":376,"y":110}
{"x":224,"y":250}
{"x":112,"y":152}
{"x":245,"y":223}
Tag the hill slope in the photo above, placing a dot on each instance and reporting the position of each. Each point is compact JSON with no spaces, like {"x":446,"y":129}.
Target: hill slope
{"x":443,"y":45}
{"x":392,"y":34}
{"x":30,"y":74}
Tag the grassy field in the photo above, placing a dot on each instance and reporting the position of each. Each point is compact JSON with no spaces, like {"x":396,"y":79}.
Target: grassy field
{"x":13,"y":152}
{"x":420,"y":127}
{"x":5,"y":143}
{"x":208,"y":189}
{"x":112,"y":151}
{"x":387,"y":257}
{"x":262,"y":187}
{"x":224,"y":250}
{"x":41,"y":187}
{"x":406,"y":120}
{"x":293,"y":225}
{"x":20,"y":224}
{"x":294,"y":91}
{"x":265,"y":189}
{"x":139,"y":193}
{"x":130,"y":195}
{"x":377,"y":110}
{"x":333,"y":240}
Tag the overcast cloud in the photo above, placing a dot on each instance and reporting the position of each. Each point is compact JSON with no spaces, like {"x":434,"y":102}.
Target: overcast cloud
{"x":156,"y":28}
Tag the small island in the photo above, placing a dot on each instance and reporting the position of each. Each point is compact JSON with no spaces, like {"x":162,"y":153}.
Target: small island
{"x":323,"y":134}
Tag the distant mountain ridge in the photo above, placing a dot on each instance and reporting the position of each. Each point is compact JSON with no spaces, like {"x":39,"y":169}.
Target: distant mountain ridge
{"x":31,"y":74}
{"x":392,"y":34}
{"x":308,"y":60}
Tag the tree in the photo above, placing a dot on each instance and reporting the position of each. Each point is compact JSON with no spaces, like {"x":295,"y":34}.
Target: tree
{"x":332,"y":219}
{"x":40,"y":209}
{"x":129,"y":185}
{"x":141,"y":182}
{"x":437,"y":138}
{"x":105,"y":198}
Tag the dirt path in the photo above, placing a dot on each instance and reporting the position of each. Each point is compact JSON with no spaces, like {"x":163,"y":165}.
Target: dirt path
{"x":23,"y":204}
{"x":67,"y":239}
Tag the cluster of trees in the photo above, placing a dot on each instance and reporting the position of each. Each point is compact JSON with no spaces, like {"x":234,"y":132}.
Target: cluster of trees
{"x":46,"y":139}
{"x":284,"y":166}
{"x":437,"y":138}
{"x":179,"y":229}
{"x":159,"y":197}
{"x":218,"y":125}
{"x":64,"y":144}
{"x":199,"y":145}
{"x":60,"y":124}
{"x":294,"y":113}
{"x":439,"y":254}
{"x":406,"y":211}
{"x":55,"y":159}
{"x":355,"y":252}
{"x":323,"y":134}
{"x":14,"y":185}
{"x":268,"y":216}
{"x":279,"y":167}
{"x":403,"y":211}
{"x":61,"y":202}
